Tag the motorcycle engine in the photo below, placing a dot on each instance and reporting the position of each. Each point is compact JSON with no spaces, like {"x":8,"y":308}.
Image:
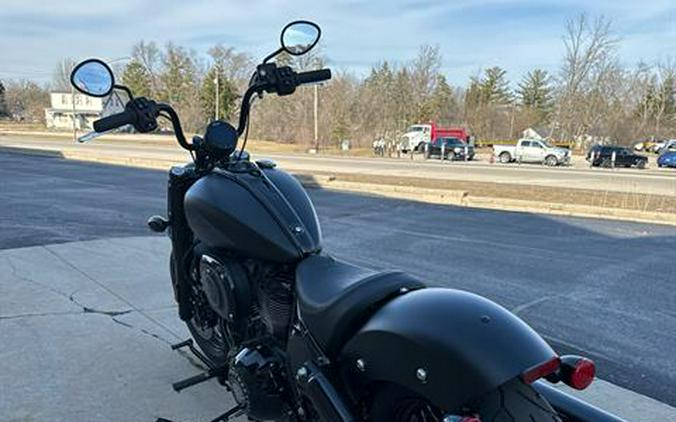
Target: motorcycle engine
{"x":275,"y":296}
{"x":228,"y":290}
{"x":257,"y":382}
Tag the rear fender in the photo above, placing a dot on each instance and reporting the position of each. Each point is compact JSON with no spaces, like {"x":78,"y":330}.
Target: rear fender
{"x":447,"y":345}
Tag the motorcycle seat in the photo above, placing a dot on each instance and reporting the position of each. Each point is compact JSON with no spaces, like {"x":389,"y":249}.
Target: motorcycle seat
{"x":335,"y":298}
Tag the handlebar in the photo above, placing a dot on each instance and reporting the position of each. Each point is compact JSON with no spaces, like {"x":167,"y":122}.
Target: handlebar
{"x":313,"y":76}
{"x":114,"y":121}
{"x":142,"y":113}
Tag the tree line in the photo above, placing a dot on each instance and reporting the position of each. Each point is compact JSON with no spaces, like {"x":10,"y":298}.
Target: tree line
{"x":592,"y":96}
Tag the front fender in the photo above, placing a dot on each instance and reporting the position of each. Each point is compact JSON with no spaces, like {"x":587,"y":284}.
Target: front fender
{"x":464,"y":344}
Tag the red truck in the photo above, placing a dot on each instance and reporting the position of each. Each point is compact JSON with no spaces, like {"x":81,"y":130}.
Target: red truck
{"x":417,"y":135}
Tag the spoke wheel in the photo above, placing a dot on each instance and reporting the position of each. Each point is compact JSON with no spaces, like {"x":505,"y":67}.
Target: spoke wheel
{"x":207,"y":329}
{"x":392,"y":403}
{"x":416,"y":410}
{"x":210,"y":334}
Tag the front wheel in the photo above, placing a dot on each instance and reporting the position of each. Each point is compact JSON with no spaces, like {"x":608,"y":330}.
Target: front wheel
{"x":206,"y":328}
{"x":641,"y":164}
{"x":513,"y":401}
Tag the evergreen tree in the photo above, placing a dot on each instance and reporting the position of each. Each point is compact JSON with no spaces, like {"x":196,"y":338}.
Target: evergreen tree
{"x":138,"y":79}
{"x":494,"y":87}
{"x":444,"y":105}
{"x":178,"y":76}
{"x":535,"y":91}
{"x":227,"y":94}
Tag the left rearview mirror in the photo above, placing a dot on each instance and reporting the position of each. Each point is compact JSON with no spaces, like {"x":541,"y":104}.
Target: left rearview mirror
{"x":93,"y":77}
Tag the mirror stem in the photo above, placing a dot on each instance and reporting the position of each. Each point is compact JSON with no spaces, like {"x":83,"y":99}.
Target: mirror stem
{"x":271,"y":55}
{"x":125,"y":89}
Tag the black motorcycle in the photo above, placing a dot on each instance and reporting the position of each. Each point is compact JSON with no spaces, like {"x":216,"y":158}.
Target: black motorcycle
{"x":296,"y":335}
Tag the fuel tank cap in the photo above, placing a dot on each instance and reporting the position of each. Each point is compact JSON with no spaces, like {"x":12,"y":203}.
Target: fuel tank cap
{"x":266,"y":164}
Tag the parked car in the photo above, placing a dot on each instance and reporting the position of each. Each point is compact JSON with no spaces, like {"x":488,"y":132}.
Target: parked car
{"x":667,"y":159}
{"x":532,"y":151}
{"x":453,"y":148}
{"x":602,"y":156}
{"x":669,"y":145}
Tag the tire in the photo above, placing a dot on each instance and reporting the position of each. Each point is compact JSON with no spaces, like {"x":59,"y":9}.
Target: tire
{"x":641,"y":164}
{"x":505,"y":157}
{"x":551,"y":161}
{"x":212,"y":341}
{"x":514,"y":401}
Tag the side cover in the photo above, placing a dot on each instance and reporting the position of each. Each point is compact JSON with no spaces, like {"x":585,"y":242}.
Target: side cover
{"x":447,"y":345}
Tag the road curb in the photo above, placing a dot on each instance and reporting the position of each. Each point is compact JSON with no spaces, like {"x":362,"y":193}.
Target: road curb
{"x":427,"y":195}
{"x":465,"y":199}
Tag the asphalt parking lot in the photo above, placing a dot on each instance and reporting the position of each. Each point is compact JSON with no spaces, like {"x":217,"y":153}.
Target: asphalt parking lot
{"x":600,"y":288}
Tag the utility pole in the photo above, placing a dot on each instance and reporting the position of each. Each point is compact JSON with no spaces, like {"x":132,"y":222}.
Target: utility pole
{"x":72,"y":103}
{"x":511,"y":123}
{"x":216,"y":82}
{"x":316,"y":117}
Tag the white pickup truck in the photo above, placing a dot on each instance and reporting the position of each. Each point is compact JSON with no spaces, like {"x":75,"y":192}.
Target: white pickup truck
{"x":532,"y":151}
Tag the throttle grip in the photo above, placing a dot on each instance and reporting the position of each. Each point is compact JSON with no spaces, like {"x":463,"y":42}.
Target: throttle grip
{"x":313,"y":76}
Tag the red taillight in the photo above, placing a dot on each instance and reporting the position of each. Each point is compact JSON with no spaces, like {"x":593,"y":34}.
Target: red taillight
{"x":577,"y":372}
{"x":540,"y":371}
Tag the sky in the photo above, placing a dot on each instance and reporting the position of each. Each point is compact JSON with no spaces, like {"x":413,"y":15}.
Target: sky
{"x":518,"y":35}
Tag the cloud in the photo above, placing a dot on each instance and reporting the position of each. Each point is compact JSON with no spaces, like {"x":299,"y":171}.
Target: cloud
{"x":515,"y":34}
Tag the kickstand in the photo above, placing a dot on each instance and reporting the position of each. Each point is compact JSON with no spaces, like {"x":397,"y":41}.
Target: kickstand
{"x":234,"y":412}
{"x":213,"y":371}
{"x":190,"y":345}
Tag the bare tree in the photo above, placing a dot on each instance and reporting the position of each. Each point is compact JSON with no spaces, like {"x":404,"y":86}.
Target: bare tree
{"x":61,"y":76}
{"x":590,"y":51}
{"x":150,"y":56}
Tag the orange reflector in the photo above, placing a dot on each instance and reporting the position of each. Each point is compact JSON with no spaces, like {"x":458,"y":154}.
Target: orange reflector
{"x":540,"y":371}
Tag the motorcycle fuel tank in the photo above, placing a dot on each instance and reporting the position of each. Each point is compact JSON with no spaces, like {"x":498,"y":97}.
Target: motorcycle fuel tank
{"x":261,"y":213}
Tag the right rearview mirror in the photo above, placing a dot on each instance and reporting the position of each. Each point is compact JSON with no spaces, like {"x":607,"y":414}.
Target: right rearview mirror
{"x":299,"y":37}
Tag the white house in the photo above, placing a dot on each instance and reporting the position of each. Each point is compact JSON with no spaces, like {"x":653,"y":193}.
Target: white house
{"x":87,"y":109}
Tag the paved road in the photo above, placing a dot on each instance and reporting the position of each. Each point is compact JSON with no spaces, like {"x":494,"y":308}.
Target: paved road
{"x":603,"y":288}
{"x":654,"y":181}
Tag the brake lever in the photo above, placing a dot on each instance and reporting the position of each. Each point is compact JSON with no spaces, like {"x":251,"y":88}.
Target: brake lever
{"x":89,"y":136}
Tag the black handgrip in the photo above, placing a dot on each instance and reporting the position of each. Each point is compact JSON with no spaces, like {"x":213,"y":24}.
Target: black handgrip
{"x":114,"y":121}
{"x":313,"y":76}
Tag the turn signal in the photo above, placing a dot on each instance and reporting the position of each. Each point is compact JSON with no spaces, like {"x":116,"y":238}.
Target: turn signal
{"x":576,"y":371}
{"x":540,"y":371}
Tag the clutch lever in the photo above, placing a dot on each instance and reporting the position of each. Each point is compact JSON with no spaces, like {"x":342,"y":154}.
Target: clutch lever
{"x":89,"y":136}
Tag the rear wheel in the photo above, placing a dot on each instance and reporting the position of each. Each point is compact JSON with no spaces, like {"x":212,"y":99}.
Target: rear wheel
{"x":551,"y":161}
{"x":641,"y":164}
{"x":505,"y":158}
{"x":514,"y":401}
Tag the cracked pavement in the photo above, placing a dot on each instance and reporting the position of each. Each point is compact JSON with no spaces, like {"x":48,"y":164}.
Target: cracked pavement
{"x":86,"y":331}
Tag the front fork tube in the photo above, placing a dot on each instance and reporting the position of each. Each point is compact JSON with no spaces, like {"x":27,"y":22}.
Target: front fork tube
{"x":180,"y":180}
